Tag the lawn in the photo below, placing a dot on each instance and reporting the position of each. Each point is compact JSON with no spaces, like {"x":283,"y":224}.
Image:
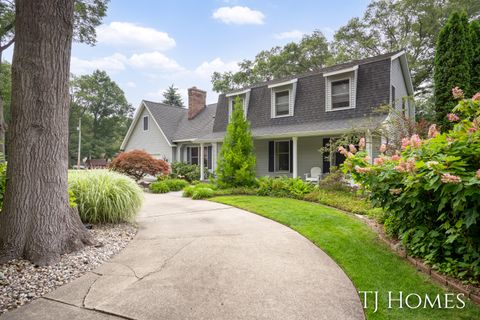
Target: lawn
{"x":356,"y":248}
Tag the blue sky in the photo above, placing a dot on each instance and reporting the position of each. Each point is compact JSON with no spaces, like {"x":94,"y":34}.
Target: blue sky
{"x":147,"y":45}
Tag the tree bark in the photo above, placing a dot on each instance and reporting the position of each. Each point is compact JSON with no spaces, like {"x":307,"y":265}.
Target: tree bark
{"x":37,"y":223}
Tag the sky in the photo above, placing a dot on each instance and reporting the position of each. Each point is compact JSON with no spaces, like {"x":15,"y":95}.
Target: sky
{"x":147,"y":45}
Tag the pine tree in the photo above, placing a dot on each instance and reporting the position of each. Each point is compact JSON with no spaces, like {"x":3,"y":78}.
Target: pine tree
{"x":452,"y":64}
{"x":172,"y":97}
{"x":475,"y":71}
{"x":236,"y":164}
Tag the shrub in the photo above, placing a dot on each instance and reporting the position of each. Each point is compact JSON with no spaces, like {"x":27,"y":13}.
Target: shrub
{"x":341,"y":199}
{"x":138,"y":163}
{"x":103,"y":196}
{"x":159,"y":187}
{"x":202,"y":193}
{"x":335,"y":180}
{"x":189,"y":172}
{"x":188,"y":191}
{"x":430,"y":191}
{"x":283,"y":187}
{"x":236,"y":163}
{"x":175,"y":184}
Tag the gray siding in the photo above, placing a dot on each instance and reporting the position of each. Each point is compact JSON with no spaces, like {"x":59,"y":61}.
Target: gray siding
{"x":398,"y":81}
{"x":373,"y":90}
{"x":151,"y":141}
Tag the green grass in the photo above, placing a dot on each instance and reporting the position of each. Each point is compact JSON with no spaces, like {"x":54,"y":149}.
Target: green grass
{"x":356,"y":248}
{"x":344,"y":200}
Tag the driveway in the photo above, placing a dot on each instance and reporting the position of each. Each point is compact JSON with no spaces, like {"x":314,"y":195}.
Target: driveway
{"x":203,"y":260}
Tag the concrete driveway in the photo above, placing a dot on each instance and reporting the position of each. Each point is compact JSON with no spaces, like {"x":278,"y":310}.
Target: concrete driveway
{"x":203,"y":260}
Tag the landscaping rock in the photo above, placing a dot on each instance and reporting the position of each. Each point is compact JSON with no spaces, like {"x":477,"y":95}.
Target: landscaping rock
{"x":22,"y":281}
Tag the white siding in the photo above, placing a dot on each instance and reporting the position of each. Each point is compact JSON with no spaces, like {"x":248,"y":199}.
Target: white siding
{"x":261,"y":152}
{"x":308,"y":154}
{"x":398,"y":81}
{"x":151,"y":141}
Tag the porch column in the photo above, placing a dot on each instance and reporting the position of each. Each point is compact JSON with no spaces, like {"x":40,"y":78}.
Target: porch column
{"x":179,"y":152}
{"x":202,"y":164}
{"x":295,"y":158}
{"x":214,"y":157}
{"x":369,"y":145}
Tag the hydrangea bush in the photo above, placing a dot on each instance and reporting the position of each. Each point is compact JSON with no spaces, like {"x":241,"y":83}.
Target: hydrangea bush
{"x":430,"y":190}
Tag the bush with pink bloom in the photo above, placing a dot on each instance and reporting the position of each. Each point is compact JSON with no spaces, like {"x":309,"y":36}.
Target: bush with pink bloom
{"x":361,"y":144}
{"x":458,"y":93}
{"x":352,"y":148}
{"x":383,"y":148}
{"x":476,"y":96}
{"x":430,"y":191}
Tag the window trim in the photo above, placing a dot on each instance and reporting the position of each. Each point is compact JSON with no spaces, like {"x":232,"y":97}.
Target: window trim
{"x":337,"y":76}
{"x":143,"y":123}
{"x":231,"y":100}
{"x":275,"y":157}
{"x":189,"y":154}
{"x":274,"y":104}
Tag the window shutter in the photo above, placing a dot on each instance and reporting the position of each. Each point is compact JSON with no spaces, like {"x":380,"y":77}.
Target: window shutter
{"x":291,"y":156}
{"x":271,"y":156}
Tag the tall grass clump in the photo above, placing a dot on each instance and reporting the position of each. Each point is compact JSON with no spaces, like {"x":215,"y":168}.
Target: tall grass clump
{"x":104,"y":196}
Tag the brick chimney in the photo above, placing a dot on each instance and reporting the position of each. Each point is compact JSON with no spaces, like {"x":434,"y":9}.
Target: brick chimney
{"x":196,"y":101}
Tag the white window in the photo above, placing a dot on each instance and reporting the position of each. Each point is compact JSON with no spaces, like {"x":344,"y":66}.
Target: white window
{"x":282,"y":103}
{"x":145,"y":123}
{"x":193,"y":155}
{"x":282,"y":156}
{"x":231,"y":104}
{"x":341,"y":89}
{"x":341,"y":94}
{"x":283,"y":98}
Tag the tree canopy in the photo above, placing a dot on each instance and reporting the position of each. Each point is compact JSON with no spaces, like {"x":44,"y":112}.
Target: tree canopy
{"x":310,"y":53}
{"x":386,"y":25}
{"x":105,"y":115}
{"x":172,"y":97}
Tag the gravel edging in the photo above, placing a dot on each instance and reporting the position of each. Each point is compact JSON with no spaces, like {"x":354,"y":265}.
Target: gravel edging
{"x":22,"y":281}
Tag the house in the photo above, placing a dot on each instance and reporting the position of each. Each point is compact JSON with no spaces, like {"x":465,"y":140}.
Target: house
{"x":291,"y":119}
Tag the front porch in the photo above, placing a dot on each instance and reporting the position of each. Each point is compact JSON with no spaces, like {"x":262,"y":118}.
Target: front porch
{"x":292,"y":156}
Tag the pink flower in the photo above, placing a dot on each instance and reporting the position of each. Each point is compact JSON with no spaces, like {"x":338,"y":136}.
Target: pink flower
{"x":378,"y":161}
{"x":432,"y":131}
{"x":352,"y":148}
{"x":395,"y":191}
{"x":400,"y":168}
{"x":415,"y":141}
{"x":457,"y":93}
{"x":367,"y":158}
{"x":362,"y":170}
{"x":361,"y":144}
{"x":342,"y":150}
{"x":450,"y":178}
{"x":405,"y":143}
{"x":478,"y":174}
{"x":476,"y":96}
{"x":452,"y":117}
{"x":383,"y":148}
{"x":349,"y":155}
{"x":395,"y":157}
{"x":410,"y":165}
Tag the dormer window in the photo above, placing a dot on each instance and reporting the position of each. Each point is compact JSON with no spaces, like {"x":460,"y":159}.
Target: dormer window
{"x":283,"y":98}
{"x":340,"y":89}
{"x":244,"y":97}
{"x":341,"y":93}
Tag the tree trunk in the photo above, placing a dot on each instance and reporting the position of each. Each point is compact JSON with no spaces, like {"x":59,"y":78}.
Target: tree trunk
{"x":37,"y":223}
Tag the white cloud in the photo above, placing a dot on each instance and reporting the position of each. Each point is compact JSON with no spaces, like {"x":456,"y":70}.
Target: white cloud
{"x":206,"y":69}
{"x":238,"y":15}
{"x":132,"y":35}
{"x":154,"y":60}
{"x":111,"y":64}
{"x":131,"y":84}
{"x":293,"y":34}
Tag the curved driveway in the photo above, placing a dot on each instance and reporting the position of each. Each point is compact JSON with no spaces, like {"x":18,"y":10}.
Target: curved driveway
{"x":203,"y":260}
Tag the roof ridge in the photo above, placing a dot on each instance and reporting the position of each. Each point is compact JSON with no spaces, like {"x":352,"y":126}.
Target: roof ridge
{"x":165,"y":105}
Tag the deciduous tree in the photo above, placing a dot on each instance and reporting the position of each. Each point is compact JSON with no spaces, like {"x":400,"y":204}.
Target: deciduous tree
{"x":37,"y":222}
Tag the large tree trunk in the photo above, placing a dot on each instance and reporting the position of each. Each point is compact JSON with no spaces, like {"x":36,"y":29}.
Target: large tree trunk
{"x":37,"y":222}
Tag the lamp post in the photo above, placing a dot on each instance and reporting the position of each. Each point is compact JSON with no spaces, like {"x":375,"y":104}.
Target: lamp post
{"x":79,"y":128}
